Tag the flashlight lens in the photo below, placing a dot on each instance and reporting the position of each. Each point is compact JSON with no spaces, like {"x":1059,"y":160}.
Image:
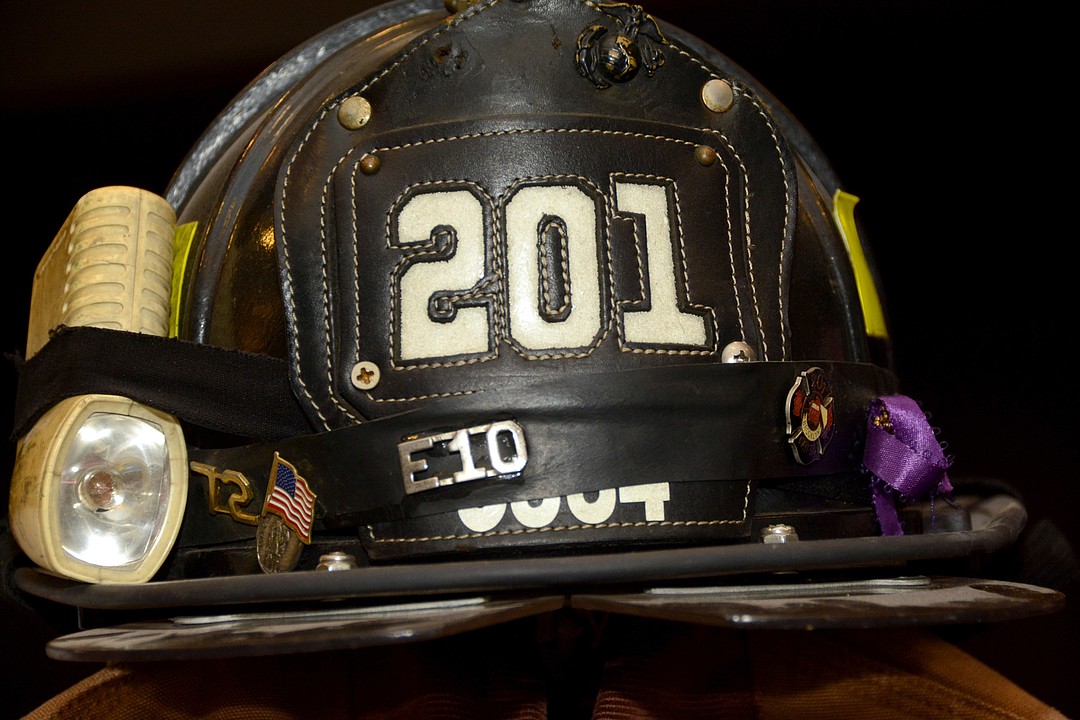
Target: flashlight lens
{"x":114,"y":490}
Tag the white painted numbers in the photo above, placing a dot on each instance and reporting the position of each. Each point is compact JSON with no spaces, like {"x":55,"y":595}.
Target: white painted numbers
{"x":539,"y":514}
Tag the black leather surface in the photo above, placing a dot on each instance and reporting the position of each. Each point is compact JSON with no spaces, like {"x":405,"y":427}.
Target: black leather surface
{"x":493,"y":100}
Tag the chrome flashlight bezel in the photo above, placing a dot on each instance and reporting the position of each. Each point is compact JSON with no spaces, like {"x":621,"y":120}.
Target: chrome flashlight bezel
{"x":34,"y":507}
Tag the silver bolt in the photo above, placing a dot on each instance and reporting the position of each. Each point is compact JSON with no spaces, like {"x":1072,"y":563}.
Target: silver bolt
{"x":775,"y":534}
{"x":365,"y":375}
{"x":354,"y":113}
{"x":718,"y":95}
{"x":738,"y":352}
{"x":332,"y":562}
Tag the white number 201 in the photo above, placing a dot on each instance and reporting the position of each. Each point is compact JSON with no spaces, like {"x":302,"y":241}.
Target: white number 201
{"x":540,"y":317}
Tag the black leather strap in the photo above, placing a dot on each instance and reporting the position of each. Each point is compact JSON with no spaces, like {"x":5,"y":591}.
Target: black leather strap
{"x":712,"y":428}
{"x":684,"y":424}
{"x":224,"y":390}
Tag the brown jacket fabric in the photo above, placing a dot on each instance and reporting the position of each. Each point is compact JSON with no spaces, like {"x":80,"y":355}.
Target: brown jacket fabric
{"x":665,"y":672}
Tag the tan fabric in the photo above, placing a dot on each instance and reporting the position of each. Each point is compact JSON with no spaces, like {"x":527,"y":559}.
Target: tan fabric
{"x":882,"y":676}
{"x":674,"y":672}
{"x":772,"y":675}
{"x":396,"y":684}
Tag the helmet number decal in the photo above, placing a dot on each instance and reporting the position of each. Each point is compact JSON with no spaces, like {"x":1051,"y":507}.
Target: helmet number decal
{"x":554,"y":299}
{"x":661,"y":322}
{"x":653,"y":498}
{"x":550,"y":247}
{"x":443,"y":310}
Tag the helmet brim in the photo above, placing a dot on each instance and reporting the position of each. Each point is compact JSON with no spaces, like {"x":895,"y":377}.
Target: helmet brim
{"x":805,"y":584}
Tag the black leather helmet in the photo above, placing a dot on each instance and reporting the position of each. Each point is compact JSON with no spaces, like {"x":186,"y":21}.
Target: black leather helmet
{"x":481,"y":309}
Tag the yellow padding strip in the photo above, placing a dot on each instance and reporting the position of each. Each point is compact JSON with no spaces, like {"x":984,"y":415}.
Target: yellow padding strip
{"x":873,"y":314}
{"x":185,"y":235}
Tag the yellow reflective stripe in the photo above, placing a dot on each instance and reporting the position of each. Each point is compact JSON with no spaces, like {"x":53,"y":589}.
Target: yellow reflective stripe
{"x":185,"y":235}
{"x":844,"y":216}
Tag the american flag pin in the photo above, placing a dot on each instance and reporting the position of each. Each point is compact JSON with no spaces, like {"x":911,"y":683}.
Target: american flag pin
{"x":287,"y":516}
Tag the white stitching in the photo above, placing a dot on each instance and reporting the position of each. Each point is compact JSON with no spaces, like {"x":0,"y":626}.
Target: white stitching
{"x":420,"y":397}
{"x":355,"y":189}
{"x":564,"y":260}
{"x":537,"y":131}
{"x":787,"y":192}
{"x":291,"y":291}
{"x":749,"y":236}
{"x":323,"y":241}
{"x":731,"y":255}
{"x":529,"y":531}
{"x":787,"y":229}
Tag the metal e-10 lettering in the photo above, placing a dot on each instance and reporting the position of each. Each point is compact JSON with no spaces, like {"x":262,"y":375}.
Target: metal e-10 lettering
{"x":500,"y":451}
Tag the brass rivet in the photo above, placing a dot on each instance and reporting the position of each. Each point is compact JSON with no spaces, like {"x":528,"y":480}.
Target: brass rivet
{"x":705,"y":155}
{"x":370,"y":164}
{"x":455,"y":6}
{"x":354,"y":113}
{"x":718,"y":95}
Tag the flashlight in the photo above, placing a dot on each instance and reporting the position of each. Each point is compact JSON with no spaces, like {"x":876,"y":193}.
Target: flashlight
{"x":100,"y":481}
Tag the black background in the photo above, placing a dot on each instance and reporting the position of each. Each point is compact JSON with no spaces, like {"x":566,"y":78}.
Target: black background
{"x":946,"y":117}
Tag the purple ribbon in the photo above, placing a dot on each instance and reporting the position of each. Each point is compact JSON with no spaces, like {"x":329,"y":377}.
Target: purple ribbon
{"x":904,"y":456}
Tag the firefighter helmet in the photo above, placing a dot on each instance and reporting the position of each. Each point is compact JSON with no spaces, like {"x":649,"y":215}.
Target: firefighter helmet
{"x":519,"y":295}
